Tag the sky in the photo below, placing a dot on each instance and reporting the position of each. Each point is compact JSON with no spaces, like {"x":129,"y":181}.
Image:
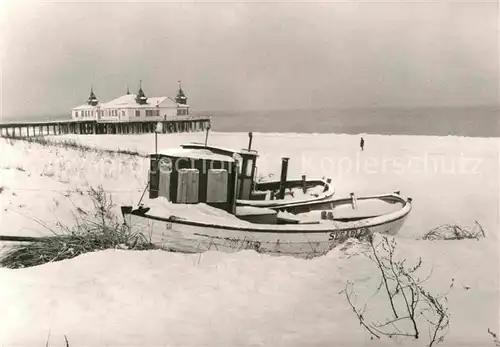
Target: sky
{"x":250,"y":55}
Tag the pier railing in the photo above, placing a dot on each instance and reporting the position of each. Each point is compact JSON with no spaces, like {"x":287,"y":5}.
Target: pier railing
{"x":175,"y":124}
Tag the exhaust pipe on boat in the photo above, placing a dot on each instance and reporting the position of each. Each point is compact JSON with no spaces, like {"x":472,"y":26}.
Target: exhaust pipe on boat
{"x":206,"y":135}
{"x":354,"y":202}
{"x":284,"y":171}
{"x":250,"y":135}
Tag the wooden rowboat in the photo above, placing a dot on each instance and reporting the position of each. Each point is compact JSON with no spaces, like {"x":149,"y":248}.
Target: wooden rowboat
{"x":199,"y":228}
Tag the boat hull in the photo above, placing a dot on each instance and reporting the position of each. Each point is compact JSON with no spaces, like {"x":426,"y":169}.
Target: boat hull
{"x":300,"y":240}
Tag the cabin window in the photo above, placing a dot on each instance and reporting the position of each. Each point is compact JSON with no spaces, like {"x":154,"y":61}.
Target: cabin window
{"x":187,"y":185}
{"x":137,"y":113}
{"x":217,"y":180}
{"x":239,"y":161}
{"x":165,"y":165}
{"x":248,"y":172}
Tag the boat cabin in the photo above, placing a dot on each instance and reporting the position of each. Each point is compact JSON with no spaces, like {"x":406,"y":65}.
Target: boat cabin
{"x":193,"y":175}
{"x":247,"y":169}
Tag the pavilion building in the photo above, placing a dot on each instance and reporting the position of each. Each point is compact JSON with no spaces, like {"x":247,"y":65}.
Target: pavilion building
{"x":132,"y":107}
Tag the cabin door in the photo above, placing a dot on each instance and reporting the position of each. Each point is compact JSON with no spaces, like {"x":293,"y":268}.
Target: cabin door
{"x":187,"y":186}
{"x":246,"y":179}
{"x":217,"y":183}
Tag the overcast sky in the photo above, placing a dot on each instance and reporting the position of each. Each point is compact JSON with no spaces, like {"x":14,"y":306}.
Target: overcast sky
{"x":241,"y":56}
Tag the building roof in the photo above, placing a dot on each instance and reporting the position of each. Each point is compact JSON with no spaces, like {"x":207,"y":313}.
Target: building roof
{"x":85,"y":107}
{"x":129,"y":101}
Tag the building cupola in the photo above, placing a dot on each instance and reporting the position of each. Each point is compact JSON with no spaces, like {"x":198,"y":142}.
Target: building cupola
{"x":92,"y":100}
{"x":181,"y":97}
{"x":141,"y":98}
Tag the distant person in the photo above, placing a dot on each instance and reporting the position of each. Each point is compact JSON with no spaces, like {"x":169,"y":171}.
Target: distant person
{"x":362,"y":144}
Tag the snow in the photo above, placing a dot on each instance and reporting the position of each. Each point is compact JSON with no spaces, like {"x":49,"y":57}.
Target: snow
{"x":126,"y":298}
{"x":229,"y":150}
{"x":128,"y":101}
{"x":252,"y":211}
{"x":195,"y":154}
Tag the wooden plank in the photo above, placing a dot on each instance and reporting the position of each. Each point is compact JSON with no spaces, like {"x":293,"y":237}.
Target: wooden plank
{"x":164,"y":185}
{"x":217,"y":184}
{"x":187,"y":186}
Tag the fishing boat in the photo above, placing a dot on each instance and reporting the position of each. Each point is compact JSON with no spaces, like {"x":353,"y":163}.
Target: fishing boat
{"x":269,"y":193}
{"x":193,"y":206}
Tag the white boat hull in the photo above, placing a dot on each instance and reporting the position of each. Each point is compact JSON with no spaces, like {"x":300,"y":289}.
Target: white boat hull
{"x":300,"y":240}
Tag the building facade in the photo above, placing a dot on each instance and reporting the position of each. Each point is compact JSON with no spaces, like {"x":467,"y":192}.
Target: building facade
{"x":132,"y":108}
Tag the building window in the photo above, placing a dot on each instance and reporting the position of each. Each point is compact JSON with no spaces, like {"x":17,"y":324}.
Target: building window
{"x":182,"y":112}
{"x":123,"y":113}
{"x":157,"y":113}
{"x":149,"y":113}
{"x":137,"y":113}
{"x":76,"y":114}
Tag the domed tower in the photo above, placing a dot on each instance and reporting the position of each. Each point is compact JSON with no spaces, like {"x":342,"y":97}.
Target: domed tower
{"x":141,"y":98}
{"x":181,"y":97}
{"x":93,"y":101}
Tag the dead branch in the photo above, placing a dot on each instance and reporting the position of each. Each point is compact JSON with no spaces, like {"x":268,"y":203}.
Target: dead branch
{"x":406,"y":297}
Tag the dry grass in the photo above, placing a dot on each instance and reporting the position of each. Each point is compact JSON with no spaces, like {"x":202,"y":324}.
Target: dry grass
{"x":71,"y":144}
{"x":455,"y":232}
{"x":95,"y":230}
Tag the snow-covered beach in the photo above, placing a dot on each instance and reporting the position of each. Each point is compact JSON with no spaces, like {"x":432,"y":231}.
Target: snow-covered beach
{"x":246,"y":298}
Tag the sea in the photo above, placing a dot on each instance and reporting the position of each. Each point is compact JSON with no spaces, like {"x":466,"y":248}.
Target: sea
{"x":476,"y":121}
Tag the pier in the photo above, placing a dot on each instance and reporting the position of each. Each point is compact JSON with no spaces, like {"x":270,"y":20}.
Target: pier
{"x":177,"y":124}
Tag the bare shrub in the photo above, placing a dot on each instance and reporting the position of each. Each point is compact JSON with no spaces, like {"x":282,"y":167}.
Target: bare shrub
{"x":455,"y":232}
{"x":412,"y":307}
{"x":496,"y":340}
